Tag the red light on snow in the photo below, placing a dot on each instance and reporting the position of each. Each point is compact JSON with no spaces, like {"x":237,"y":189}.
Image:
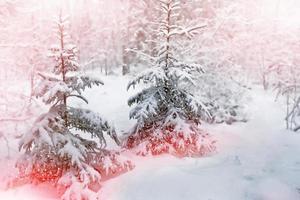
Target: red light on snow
{"x":197,"y":144}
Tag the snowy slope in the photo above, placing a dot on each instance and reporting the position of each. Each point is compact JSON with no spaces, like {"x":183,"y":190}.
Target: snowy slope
{"x":258,"y":160}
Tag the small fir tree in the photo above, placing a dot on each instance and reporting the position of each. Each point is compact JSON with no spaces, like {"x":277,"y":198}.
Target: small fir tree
{"x":55,"y":150}
{"x":167,"y":115}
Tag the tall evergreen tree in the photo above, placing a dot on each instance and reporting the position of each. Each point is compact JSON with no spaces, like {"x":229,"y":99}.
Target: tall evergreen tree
{"x":55,"y":149}
{"x":167,"y":115}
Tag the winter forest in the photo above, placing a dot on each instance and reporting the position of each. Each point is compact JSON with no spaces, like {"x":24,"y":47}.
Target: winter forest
{"x":149,"y":100}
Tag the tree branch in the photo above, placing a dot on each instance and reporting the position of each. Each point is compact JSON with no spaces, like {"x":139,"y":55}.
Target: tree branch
{"x":78,"y":96}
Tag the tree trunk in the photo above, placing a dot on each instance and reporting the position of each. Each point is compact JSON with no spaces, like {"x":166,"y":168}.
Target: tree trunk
{"x":63,"y":67}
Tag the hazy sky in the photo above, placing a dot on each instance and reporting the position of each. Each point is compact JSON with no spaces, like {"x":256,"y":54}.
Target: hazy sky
{"x":287,"y":11}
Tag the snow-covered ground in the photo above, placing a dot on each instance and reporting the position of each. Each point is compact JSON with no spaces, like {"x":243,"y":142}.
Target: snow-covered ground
{"x":255,"y":160}
{"x":258,"y":160}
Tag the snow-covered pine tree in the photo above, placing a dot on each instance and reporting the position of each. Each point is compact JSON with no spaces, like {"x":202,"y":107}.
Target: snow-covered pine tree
{"x":222,"y":87}
{"x":55,"y":149}
{"x":167,"y":115}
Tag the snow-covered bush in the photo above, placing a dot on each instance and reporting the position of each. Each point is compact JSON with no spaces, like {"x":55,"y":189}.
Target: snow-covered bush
{"x":223,"y":95}
{"x":288,"y":86}
{"x":168,"y":115}
{"x":55,"y":149}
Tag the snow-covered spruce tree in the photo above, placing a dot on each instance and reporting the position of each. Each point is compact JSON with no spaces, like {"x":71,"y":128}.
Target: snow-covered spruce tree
{"x":167,"y":115}
{"x":55,"y":149}
{"x":218,"y":88}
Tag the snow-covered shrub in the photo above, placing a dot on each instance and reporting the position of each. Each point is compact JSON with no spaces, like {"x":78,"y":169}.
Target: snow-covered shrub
{"x":55,"y":149}
{"x":288,"y":87}
{"x":223,"y":95}
{"x":292,"y":96}
{"x":167,"y":114}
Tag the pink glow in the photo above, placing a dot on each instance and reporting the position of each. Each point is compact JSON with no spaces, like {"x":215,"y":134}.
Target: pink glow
{"x":253,"y":36}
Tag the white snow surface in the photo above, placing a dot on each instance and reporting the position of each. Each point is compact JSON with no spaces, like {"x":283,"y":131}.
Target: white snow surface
{"x":257,"y":160}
